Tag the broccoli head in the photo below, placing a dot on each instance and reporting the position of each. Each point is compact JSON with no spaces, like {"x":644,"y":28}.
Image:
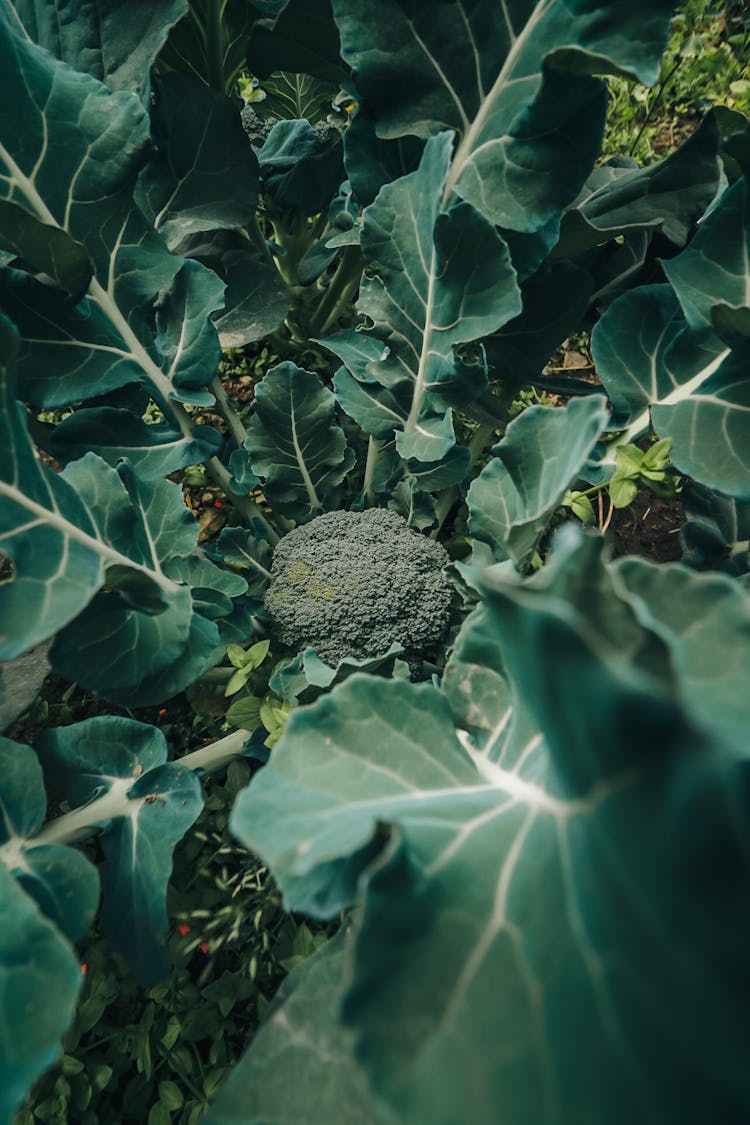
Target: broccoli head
{"x":353,"y":583}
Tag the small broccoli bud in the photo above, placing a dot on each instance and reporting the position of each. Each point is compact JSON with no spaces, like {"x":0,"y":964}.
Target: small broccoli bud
{"x":256,"y":128}
{"x":353,"y":583}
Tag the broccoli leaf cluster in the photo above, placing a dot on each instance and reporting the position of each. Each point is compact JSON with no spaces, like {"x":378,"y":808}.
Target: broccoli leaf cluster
{"x":353,"y":583}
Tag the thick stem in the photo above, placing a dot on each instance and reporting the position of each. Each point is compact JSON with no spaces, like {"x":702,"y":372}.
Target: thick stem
{"x":228,"y":413}
{"x":215,"y":47}
{"x":443,"y":508}
{"x":346,"y":277}
{"x":257,"y":236}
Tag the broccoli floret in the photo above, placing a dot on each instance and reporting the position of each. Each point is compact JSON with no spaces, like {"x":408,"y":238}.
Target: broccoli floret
{"x":353,"y":583}
{"x":256,"y":128}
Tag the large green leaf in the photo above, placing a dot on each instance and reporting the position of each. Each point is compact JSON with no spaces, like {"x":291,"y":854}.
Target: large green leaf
{"x":155,"y":450}
{"x":698,"y":615}
{"x":302,"y":38}
{"x":688,"y":383}
{"x":714,"y":268}
{"x":543,"y":939}
{"x":64,"y":884}
{"x":113,"y":42}
{"x":204,"y":174}
{"x":555,"y":300}
{"x":669,"y":196}
{"x":249,"y":554}
{"x":45,"y":530}
{"x":295,"y":445}
{"x":301,"y":167}
{"x":434,"y":281}
{"x":716,"y":532}
{"x":278,"y":1080}
{"x":70,"y":158}
{"x":152,"y":804}
{"x":43,"y":248}
{"x":122,"y":646}
{"x":40,"y":979}
{"x":543,"y":451}
{"x":210,"y":43}
{"x":512,"y":80}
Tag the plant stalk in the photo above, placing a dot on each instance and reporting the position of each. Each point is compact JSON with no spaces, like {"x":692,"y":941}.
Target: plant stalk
{"x":228,"y":413}
{"x":249,"y":509}
{"x":215,"y":47}
{"x":339,"y":292}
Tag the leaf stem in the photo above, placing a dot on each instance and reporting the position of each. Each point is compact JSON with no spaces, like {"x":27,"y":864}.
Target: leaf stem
{"x":214,"y":47}
{"x":249,"y":509}
{"x":339,"y":292}
{"x":80,"y":823}
{"x":228,"y":413}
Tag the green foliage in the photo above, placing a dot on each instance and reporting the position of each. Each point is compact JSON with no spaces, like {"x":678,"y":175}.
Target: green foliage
{"x":559,"y":815}
{"x":705,"y":64}
{"x":130,"y":1051}
{"x":537,"y":933}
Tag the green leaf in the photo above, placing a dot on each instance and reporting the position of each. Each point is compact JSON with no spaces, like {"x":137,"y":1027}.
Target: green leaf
{"x":43,"y":248}
{"x":248,"y":553}
{"x":372,"y":162}
{"x":244,"y":713}
{"x":301,"y":680}
{"x":555,"y":300}
{"x":544,"y":450}
{"x":416,"y":294}
{"x":237,"y":681}
{"x":115,"y":648}
{"x":715,"y":266}
{"x":210,"y":48}
{"x":72,"y":158}
{"x":256,"y":299}
{"x":154,"y":450}
{"x":581,"y":506}
{"x":170,"y":1095}
{"x":40,"y":982}
{"x":278,"y":1078}
{"x":622,"y":491}
{"x":290,"y":96}
{"x":63,"y":883}
{"x":203,"y":175}
{"x":301,"y":167}
{"x":716,"y":532}
{"x":657,"y":362}
{"x":514,"y":84}
{"x":47,"y":533}
{"x":114,"y":44}
{"x":295,"y":445}
{"x":152,"y":805}
{"x":694,"y":389}
{"x":669,"y":196}
{"x":303,"y":38}
{"x":698,"y":616}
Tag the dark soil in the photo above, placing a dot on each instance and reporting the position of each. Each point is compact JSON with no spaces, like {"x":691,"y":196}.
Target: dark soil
{"x":648,"y":527}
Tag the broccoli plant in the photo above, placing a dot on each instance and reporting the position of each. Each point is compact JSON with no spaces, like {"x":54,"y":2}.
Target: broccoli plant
{"x":422,"y":219}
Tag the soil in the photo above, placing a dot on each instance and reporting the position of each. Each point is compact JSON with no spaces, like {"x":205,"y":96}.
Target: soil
{"x":648,"y":527}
